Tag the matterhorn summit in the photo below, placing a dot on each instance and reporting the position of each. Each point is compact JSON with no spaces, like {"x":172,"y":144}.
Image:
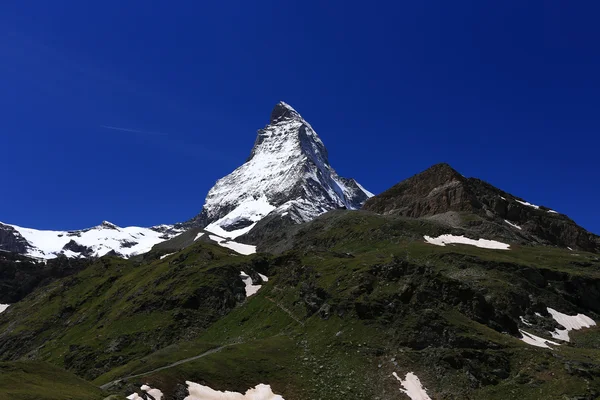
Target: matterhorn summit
{"x":287,"y":174}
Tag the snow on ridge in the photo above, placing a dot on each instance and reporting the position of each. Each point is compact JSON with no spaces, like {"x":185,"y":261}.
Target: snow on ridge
{"x":569,"y":322}
{"x":527,"y":204}
{"x":3,"y":307}
{"x":286,"y":105}
{"x":443,"y":240}
{"x":100,"y":239}
{"x":369,"y":194}
{"x":412,"y":387}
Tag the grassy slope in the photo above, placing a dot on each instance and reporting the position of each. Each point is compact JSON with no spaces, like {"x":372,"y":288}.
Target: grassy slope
{"x":117,"y":310}
{"x":40,"y":381}
{"x":353,"y":357}
{"x":333,"y":325}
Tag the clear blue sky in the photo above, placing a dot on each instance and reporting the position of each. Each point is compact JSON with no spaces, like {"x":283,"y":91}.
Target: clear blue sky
{"x":504,"y":91}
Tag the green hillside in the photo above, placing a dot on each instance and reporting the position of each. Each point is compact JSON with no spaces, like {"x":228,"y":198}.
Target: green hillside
{"x":359,"y":297}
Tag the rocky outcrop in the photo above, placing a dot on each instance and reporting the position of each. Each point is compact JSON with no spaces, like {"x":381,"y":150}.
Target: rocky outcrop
{"x":434,"y":191}
{"x":20,"y":275}
{"x":441,"y":189}
{"x":11,"y":240}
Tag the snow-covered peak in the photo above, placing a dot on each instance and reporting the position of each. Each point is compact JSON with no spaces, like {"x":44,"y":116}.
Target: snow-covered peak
{"x":92,"y":242}
{"x":107,"y":225}
{"x":288,"y":173}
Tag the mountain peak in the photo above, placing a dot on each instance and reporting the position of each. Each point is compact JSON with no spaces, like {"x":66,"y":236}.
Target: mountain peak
{"x":287,"y":174}
{"x":442,"y":171}
{"x":283,"y":111}
{"x":443,"y":192}
{"x":439,"y":187}
{"x":108,"y":225}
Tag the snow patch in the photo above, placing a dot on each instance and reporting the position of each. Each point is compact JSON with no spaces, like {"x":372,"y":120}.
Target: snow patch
{"x":523,"y":320}
{"x":201,"y":392}
{"x":527,"y":204}
{"x":248,"y":210}
{"x":70,"y":254}
{"x":198,"y":236}
{"x":217,"y":230}
{"x":443,"y":240}
{"x":166,"y":255}
{"x":3,"y":307}
{"x":155,"y":393}
{"x":536,"y":340}
{"x":513,"y":225}
{"x":570,"y":323}
{"x":412,"y":387}
{"x":264,"y":277}
{"x":245,"y":249}
{"x":250,"y":288}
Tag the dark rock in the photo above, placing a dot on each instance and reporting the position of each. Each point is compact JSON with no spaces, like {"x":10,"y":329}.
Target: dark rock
{"x":11,"y":240}
{"x":440,"y":189}
{"x":78,"y":248}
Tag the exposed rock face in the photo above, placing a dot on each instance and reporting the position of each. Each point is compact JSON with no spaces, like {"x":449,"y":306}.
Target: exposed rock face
{"x":434,"y":191}
{"x":20,"y":275}
{"x":11,"y":240}
{"x":440,"y":189}
{"x":287,"y":174}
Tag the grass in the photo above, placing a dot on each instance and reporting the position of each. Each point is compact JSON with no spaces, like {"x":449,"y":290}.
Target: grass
{"x":116,"y":310}
{"x":360,"y":297}
{"x":40,"y":381}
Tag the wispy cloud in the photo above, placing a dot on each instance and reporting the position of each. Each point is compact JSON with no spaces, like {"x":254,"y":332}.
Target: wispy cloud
{"x":118,"y":128}
{"x":170,"y":142}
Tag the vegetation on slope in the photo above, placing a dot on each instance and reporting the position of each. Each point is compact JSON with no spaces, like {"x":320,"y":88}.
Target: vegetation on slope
{"x":40,"y":381}
{"x":358,"y":297}
{"x":117,"y":310}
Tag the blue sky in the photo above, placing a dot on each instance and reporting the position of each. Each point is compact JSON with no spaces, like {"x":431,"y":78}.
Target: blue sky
{"x":504,"y":91}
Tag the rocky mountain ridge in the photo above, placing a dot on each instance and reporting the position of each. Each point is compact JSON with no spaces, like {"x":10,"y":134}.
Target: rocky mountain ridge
{"x":442,"y":193}
{"x":91,"y":242}
{"x":288,"y":180}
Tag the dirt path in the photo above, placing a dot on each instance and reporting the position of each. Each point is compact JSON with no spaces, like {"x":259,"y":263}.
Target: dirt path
{"x":285,"y":310}
{"x":176,"y":363}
